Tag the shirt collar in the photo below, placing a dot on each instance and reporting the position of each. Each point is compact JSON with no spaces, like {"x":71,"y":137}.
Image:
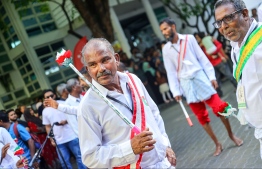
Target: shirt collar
{"x":123,"y":77}
{"x":180,"y":37}
{"x":250,"y":30}
{"x":74,"y":98}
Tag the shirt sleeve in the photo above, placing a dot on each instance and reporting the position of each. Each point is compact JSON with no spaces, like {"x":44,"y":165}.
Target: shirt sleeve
{"x":94,"y":153}
{"x":45,"y":119}
{"x":67,"y":109}
{"x":203,"y":60}
{"x":171,"y":73}
{"x":25,"y":136}
{"x":6,"y":137}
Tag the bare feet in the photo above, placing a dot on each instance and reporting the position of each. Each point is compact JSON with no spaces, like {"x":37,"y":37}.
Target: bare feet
{"x":237,"y":140}
{"x":219,"y":149}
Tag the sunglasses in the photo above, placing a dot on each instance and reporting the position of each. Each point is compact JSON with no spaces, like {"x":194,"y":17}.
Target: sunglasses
{"x":52,"y":95}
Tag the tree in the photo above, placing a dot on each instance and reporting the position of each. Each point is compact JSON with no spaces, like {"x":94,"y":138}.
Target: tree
{"x":95,"y":13}
{"x":202,"y":10}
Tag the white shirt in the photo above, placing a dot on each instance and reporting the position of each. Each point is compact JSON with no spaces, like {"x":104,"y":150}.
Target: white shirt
{"x":71,"y":118}
{"x":105,"y":139}
{"x":194,"y":60}
{"x":251,"y":80}
{"x":63,"y":133}
{"x":10,"y":160}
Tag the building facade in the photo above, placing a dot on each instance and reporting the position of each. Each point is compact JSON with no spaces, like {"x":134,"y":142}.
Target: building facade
{"x":30,"y":37}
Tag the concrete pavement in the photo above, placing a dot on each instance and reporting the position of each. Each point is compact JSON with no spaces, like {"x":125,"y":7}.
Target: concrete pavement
{"x":194,"y":148}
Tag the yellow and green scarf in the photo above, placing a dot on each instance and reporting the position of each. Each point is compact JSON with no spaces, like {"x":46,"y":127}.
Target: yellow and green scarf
{"x":247,"y":50}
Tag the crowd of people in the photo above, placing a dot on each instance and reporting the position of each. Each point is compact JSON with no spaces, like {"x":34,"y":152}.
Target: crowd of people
{"x":117,"y":123}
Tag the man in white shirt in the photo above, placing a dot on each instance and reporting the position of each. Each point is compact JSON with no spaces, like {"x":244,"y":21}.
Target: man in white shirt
{"x":66,"y":138}
{"x":106,"y":141}
{"x":74,"y":98}
{"x":191,"y":74}
{"x":7,"y":147}
{"x":244,"y":32}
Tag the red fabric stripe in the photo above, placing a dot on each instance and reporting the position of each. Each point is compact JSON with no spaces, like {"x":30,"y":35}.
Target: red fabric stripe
{"x":143,"y":125}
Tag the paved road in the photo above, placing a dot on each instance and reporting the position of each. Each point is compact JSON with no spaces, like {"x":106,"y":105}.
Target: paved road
{"x":194,"y":148}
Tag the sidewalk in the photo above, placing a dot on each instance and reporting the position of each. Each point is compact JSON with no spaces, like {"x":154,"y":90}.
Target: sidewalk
{"x":194,"y":148}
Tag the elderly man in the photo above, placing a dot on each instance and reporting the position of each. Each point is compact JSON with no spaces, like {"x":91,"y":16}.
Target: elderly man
{"x":244,"y":32}
{"x":105,"y":140}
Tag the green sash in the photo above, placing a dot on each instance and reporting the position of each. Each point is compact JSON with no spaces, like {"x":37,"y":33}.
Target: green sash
{"x":247,"y":50}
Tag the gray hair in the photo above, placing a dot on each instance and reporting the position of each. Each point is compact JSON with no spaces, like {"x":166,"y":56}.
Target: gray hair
{"x":70,"y":84}
{"x":97,"y":43}
{"x":238,"y":4}
{"x":60,"y":88}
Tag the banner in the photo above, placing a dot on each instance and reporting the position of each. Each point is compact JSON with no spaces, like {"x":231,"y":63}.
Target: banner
{"x":78,"y":59}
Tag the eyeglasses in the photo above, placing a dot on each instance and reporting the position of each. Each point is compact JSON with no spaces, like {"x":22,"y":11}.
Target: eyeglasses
{"x":51,"y":95}
{"x":227,"y":19}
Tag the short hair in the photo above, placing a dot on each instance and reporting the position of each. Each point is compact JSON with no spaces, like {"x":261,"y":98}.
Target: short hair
{"x":4,"y":117}
{"x":47,"y":90}
{"x":60,"y":88}
{"x":168,"y":20}
{"x":238,"y":4}
{"x":97,"y":43}
{"x":10,"y":110}
{"x":70,"y":84}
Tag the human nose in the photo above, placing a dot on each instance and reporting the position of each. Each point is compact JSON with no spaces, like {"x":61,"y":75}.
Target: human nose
{"x":102,"y":67}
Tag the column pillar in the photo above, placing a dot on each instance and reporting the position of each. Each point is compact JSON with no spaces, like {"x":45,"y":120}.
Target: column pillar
{"x":119,"y":32}
{"x":152,"y":19}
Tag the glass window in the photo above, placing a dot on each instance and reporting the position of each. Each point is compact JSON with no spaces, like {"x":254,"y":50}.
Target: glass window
{"x":43,"y":50}
{"x":55,"y":77}
{"x":47,"y":59}
{"x":25,"y":12}
{"x":58,"y":45}
{"x":4,"y":58}
{"x":24,"y":58}
{"x":2,"y":11}
{"x":19,"y":93}
{"x":7,"y":20}
{"x":45,"y":17}
{"x":9,"y":106}
{"x":6,"y":35}
{"x":49,"y":27}
{"x":2,"y":48}
{"x":7,"y":98}
{"x":33,"y":31}
{"x":30,"y":89}
{"x":22,"y":71}
{"x":26,"y":80}
{"x":9,"y":43}
{"x":41,"y":8}
{"x":8,"y":67}
{"x":36,"y":85}
{"x":11,"y":30}
{"x":28,"y":68}
{"x":32,"y":77}
{"x":69,"y":72}
{"x":29,"y":22}
{"x":18,"y":62}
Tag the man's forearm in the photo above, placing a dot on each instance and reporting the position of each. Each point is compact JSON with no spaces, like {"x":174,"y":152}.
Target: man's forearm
{"x":31,"y":146}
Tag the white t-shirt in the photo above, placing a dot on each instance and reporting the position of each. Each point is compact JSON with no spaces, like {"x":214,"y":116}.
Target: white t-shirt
{"x":63,"y":133}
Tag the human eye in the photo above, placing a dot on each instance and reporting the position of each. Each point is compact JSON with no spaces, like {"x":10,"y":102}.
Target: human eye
{"x":92,"y":65}
{"x":228,"y":18}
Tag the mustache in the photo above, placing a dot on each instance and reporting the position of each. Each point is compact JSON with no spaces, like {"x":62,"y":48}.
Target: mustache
{"x":106,"y":72}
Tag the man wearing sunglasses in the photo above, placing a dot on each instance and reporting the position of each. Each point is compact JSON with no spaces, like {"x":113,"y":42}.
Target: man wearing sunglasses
{"x":244,"y":32}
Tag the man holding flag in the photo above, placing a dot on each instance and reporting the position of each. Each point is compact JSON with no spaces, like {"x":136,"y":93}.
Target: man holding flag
{"x":106,"y":141}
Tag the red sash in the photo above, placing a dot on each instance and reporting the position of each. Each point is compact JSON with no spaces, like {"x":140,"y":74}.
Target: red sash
{"x":138,"y":117}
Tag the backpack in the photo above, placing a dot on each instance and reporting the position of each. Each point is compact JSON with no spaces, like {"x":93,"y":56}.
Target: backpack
{"x":33,"y":136}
